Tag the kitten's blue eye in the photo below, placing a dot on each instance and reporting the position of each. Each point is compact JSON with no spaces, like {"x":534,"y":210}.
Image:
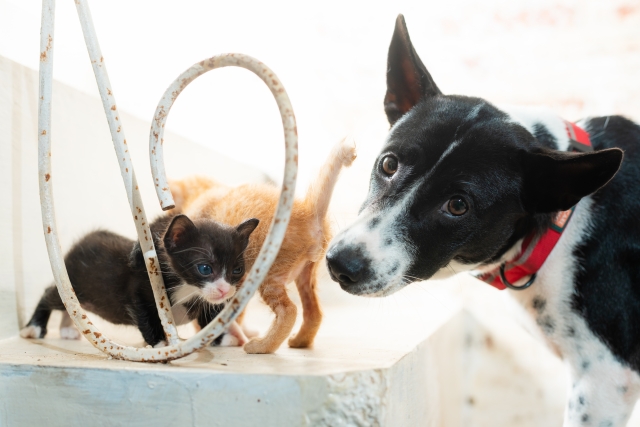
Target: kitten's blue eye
{"x":204,"y":269}
{"x":237,"y":270}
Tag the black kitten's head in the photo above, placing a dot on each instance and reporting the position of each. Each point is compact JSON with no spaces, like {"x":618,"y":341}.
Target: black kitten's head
{"x":207,"y":256}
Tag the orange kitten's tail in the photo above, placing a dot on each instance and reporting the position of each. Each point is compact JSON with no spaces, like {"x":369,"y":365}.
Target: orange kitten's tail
{"x":185,"y":191}
{"x":320,"y":191}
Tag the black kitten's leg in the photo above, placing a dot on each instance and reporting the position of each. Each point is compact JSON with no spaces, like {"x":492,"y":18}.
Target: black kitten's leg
{"x":149,"y":323}
{"x":206,"y":313}
{"x":37,"y":326}
{"x":231,"y":338}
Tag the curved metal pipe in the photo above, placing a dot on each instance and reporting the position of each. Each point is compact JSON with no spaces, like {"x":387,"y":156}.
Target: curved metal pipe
{"x":265,"y":257}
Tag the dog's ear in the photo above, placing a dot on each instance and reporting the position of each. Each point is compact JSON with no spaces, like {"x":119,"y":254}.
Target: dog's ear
{"x":556,"y":180}
{"x":408,"y":80}
{"x":178,"y":232}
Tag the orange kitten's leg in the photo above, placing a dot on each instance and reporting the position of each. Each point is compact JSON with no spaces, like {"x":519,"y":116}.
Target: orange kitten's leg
{"x":275,"y":295}
{"x":311,"y":311}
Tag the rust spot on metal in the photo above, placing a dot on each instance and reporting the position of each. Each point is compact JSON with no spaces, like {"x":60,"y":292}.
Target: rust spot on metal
{"x":44,"y":132}
{"x":47,"y":177}
{"x":161,"y":305}
{"x":109,"y":93}
{"x":97,"y":334}
{"x":136,"y":217}
{"x":119,"y":128}
{"x":126,"y":169}
{"x":84,"y":316}
{"x":86,"y":332}
{"x":113,"y":107}
{"x":48,"y":229}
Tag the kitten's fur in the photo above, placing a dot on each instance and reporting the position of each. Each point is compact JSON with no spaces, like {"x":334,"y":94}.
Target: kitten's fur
{"x":302,"y":250}
{"x":108,"y":274}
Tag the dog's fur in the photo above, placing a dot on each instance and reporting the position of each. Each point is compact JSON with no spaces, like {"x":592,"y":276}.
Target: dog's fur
{"x":302,"y":250}
{"x":512,"y":169}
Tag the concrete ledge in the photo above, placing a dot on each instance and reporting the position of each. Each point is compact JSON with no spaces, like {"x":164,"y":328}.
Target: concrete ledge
{"x":367,"y":368}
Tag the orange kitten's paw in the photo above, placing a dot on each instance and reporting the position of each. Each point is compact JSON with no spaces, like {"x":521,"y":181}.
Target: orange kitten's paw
{"x":258,"y":346}
{"x":31,"y":332}
{"x":300,"y":342}
{"x":69,"y":333}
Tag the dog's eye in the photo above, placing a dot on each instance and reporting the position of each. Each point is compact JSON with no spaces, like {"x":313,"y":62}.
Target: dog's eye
{"x":389,"y":165}
{"x":204,"y":269}
{"x":456,"y":206}
{"x":237,"y":271}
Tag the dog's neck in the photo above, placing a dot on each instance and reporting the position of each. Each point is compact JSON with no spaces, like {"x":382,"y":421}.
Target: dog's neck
{"x":538,"y":120}
{"x":551,"y":131}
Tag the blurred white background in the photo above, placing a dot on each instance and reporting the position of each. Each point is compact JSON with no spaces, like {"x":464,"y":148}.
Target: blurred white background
{"x":581,"y":57}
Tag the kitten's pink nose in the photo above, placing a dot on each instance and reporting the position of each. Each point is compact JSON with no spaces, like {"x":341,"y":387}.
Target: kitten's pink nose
{"x":218,"y":291}
{"x":224,"y":288}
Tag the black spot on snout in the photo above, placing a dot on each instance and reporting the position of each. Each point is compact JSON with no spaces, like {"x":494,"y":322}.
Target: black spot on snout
{"x":373,"y":223}
{"x":395,"y":268}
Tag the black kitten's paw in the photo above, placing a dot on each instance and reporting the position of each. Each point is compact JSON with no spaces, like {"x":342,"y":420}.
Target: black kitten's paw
{"x":227,"y":340}
{"x":32,"y":331}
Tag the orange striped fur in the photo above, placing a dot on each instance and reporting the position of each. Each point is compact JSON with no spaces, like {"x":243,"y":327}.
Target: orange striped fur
{"x":302,"y":250}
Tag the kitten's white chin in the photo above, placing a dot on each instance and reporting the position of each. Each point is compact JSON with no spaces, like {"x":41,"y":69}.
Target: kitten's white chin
{"x":222,"y":300}
{"x":218,"y":292}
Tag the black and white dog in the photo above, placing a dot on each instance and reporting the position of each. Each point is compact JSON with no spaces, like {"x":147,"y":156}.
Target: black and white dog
{"x":460,"y":185}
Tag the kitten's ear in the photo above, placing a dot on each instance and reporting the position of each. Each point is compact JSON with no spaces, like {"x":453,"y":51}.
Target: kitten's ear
{"x":180,"y":229}
{"x":408,"y":80}
{"x":246,"y":227}
{"x":556,"y":180}
{"x":136,"y":259}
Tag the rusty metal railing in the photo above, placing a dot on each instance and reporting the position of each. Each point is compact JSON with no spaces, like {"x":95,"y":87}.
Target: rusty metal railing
{"x":175,"y":348}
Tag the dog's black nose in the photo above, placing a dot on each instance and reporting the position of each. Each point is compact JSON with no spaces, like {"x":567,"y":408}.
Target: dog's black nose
{"x":347,"y":265}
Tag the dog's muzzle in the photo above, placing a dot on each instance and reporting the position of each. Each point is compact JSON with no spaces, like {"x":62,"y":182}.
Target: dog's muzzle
{"x":349,"y":266}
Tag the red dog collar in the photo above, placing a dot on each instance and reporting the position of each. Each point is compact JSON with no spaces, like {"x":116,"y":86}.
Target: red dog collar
{"x":535,"y":253}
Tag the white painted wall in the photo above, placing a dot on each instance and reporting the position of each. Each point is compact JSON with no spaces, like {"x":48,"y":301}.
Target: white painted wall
{"x":88,"y":190}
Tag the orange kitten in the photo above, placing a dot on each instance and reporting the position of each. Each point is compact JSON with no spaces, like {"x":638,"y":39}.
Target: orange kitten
{"x":302,"y":250}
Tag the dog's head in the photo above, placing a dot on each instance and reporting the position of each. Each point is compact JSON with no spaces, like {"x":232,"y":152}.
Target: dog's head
{"x":455,"y":186}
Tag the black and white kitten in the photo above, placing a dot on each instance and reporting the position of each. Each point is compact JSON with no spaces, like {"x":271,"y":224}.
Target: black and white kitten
{"x":202,"y":263}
